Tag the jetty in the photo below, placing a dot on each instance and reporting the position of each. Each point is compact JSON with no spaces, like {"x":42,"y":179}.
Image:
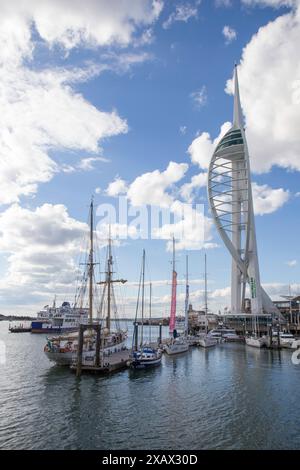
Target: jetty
{"x":116,"y":362}
{"x":20,"y":329}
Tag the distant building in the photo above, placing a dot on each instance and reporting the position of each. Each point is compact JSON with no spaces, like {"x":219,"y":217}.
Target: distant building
{"x":198,"y":320}
{"x":290,"y":310}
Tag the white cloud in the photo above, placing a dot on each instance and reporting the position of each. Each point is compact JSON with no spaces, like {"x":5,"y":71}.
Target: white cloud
{"x":198,"y":181}
{"x":271,"y":3}
{"x":182,"y":130}
{"x":292,"y":263}
{"x":90,"y":23}
{"x":267,"y":200}
{"x":223,"y":3}
{"x":202,"y":147}
{"x":116,"y":187}
{"x":199,"y":97}
{"x":41,"y":246}
{"x":41,"y":112}
{"x":269,"y":77}
{"x":183,"y":12}
{"x":192,"y":231}
{"x":150,"y":188}
{"x":229,"y":34}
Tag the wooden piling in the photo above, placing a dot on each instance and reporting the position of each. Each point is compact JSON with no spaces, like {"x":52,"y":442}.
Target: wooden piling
{"x":80,"y":348}
{"x":98,"y":343}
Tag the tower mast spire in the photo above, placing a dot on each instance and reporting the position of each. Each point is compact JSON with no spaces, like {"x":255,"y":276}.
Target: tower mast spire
{"x":238,"y":120}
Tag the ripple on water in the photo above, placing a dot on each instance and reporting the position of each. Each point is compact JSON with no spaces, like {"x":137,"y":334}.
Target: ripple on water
{"x":228,"y":397}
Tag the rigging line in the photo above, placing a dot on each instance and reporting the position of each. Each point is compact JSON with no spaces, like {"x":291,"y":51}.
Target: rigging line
{"x":137,"y":305}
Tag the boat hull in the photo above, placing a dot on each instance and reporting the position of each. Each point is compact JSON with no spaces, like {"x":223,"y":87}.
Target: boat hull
{"x":256,"y":342}
{"x":173,"y":349}
{"x":66,"y":358}
{"x":47,"y":328}
{"x":144,"y":364}
{"x":207,"y":342}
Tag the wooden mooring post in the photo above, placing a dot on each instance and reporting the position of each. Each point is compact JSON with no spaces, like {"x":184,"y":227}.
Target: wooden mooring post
{"x":82,"y":328}
{"x":80,"y":348}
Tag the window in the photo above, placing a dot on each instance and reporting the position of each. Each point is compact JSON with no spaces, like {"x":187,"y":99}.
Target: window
{"x":231,"y":138}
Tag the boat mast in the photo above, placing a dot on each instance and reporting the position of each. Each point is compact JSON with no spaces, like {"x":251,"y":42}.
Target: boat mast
{"x":91,"y":261}
{"x":143,"y":294}
{"x":150,"y":311}
{"x":205,"y":294}
{"x":109,"y":276}
{"x":173,"y":300}
{"x":109,"y":281}
{"x":187,"y":295}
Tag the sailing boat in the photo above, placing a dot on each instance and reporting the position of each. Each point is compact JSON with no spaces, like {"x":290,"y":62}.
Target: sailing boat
{"x":145,"y":355}
{"x":255,"y":340}
{"x":206,"y":341}
{"x":63,"y":349}
{"x":177,"y":344}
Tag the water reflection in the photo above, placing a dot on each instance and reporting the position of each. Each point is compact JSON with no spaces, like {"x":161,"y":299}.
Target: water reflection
{"x":226,"y":397}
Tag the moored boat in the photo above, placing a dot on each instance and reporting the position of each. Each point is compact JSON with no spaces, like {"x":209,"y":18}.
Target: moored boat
{"x":63,"y":349}
{"x":61,"y":319}
{"x":256,"y":341}
{"x":176,"y":344}
{"x":206,"y":340}
{"x":146,"y":357}
{"x":143,"y":355}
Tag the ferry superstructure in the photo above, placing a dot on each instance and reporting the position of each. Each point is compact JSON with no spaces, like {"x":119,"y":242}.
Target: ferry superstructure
{"x":61,"y":319}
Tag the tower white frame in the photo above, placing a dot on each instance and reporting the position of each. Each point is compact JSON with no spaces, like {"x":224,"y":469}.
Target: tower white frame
{"x":231,"y":203}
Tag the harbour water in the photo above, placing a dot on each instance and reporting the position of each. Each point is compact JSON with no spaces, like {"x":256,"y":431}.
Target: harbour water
{"x":228,"y":397}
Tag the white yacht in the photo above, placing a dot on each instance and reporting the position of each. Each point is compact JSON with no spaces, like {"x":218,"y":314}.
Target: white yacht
{"x":257,"y":341}
{"x":176,"y":346}
{"x":285,"y":339}
{"x":206,"y":340}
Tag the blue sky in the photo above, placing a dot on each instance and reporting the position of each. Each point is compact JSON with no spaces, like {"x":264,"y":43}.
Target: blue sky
{"x":123,"y":91}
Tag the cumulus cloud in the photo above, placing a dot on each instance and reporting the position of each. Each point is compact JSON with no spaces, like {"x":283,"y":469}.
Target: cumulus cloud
{"x":150,"y":188}
{"x":116,"y":187}
{"x":92,"y":23}
{"x":269,"y":77}
{"x":267,"y":200}
{"x":202,"y":147}
{"x":191,"y":228}
{"x":183,"y":12}
{"x":188,"y":224}
{"x":271,"y":3}
{"x":41,"y":246}
{"x":187,"y":190}
{"x":229,"y":34}
{"x":41,"y":112}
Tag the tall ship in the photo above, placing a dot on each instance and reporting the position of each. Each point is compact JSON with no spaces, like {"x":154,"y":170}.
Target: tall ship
{"x":61,"y":319}
{"x":62,"y":349}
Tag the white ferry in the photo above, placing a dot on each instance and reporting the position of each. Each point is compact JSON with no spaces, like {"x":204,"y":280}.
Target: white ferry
{"x":61,"y":319}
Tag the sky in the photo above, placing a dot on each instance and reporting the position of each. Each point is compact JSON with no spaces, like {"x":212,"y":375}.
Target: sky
{"x":125,"y":101}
